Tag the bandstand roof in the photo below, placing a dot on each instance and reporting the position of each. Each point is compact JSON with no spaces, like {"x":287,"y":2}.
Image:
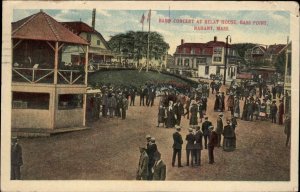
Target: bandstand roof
{"x":41,"y":26}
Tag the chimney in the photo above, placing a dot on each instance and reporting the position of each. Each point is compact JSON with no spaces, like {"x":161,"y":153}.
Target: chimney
{"x":182,"y":41}
{"x":93,"y":18}
{"x":215,"y":38}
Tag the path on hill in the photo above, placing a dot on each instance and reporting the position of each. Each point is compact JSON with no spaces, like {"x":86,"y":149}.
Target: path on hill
{"x":109,"y":151}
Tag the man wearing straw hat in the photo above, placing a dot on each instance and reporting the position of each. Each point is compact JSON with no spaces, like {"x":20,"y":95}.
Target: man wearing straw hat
{"x":142,"y":172}
{"x":219,"y":128}
{"x":177,"y":146}
{"x":190,"y":138}
{"x":212,"y":142}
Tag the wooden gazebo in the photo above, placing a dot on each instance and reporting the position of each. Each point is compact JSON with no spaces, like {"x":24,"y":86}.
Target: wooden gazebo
{"x":48,"y":83}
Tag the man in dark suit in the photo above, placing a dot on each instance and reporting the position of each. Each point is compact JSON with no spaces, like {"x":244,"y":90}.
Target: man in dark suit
{"x":142,"y":172}
{"x":132,"y":96}
{"x":219,"y":128}
{"x":205,"y":125}
{"x":151,"y":149}
{"x":142,"y":96}
{"x":177,"y":146}
{"x":190,"y":138}
{"x":16,"y":159}
{"x":280,"y":112}
{"x":198,"y":145}
{"x":179,"y":111}
{"x":273,"y":110}
{"x":212,"y":142}
{"x":159,"y":168}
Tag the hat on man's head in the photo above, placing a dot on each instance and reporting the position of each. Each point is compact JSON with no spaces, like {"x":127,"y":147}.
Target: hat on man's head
{"x":177,"y":127}
{"x":148,"y":136}
{"x":14,"y":139}
{"x":152,"y":139}
{"x":211,"y":127}
{"x":220,"y":114}
{"x":190,"y":129}
{"x":206,"y":117}
{"x":197,"y":127}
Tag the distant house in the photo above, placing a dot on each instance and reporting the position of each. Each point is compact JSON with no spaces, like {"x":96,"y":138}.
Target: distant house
{"x":256,"y":54}
{"x":262,"y":59}
{"x":266,"y":55}
{"x":99,"y":51}
{"x":272,"y":52}
{"x":203,"y":59}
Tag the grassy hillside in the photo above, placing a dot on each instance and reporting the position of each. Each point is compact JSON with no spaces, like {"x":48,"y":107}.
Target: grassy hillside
{"x":135,"y":78}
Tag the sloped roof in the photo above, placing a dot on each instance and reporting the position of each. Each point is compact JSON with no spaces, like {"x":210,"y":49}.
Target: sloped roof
{"x":79,"y":27}
{"x":275,"y":49}
{"x":41,"y":26}
{"x":217,"y":43}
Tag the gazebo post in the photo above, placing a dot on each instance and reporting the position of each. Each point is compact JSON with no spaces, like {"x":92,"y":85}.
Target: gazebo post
{"x":55,"y":98}
{"x":85,"y":82}
{"x":55,"y":62}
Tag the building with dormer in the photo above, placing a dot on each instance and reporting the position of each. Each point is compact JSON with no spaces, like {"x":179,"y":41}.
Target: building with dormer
{"x":204,"y":59}
{"x":99,"y":51}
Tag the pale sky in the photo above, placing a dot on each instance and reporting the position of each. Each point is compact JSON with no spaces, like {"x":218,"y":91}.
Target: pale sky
{"x":111,"y":22}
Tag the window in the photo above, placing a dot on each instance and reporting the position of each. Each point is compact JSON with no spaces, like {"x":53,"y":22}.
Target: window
{"x":184,"y":50}
{"x":201,"y":61}
{"x":217,"y":59}
{"x":193,"y":51}
{"x":217,"y":50}
{"x":206,"y":70}
{"x":25,"y":100}
{"x":179,"y":61}
{"x":70,"y":101}
{"x":98,"y":42}
{"x":186,"y":62}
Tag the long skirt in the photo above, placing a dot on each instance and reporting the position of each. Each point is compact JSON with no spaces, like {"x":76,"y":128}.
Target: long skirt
{"x":228,"y":144}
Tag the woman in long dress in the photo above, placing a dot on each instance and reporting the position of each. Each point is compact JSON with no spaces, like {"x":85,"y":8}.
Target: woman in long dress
{"x":236,"y":108}
{"x":194,"y":113}
{"x":170,"y":122}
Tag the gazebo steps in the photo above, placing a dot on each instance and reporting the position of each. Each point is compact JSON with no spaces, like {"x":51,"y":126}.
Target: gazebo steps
{"x":30,"y":132}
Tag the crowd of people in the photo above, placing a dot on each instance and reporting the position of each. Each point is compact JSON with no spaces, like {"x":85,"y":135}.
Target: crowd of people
{"x":192,"y":104}
{"x":259,"y":104}
{"x":151,"y":166}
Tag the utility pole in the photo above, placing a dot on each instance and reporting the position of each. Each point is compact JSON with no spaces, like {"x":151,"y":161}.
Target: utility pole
{"x":226,"y":56}
{"x":149,"y":20}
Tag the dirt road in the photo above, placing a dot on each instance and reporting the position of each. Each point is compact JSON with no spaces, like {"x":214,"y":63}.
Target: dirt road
{"x":109,"y":151}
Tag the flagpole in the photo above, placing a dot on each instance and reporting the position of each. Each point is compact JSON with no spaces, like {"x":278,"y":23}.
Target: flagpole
{"x":149,"y":17}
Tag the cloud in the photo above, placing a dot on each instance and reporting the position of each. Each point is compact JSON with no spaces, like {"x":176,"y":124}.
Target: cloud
{"x":111,"y":22}
{"x":103,"y":12}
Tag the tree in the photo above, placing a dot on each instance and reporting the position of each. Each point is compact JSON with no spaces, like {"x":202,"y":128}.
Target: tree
{"x":134,"y":45}
{"x":242,"y":48}
{"x":280,"y":63}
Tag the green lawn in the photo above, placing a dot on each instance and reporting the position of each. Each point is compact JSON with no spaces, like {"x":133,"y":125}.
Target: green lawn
{"x":134,"y":78}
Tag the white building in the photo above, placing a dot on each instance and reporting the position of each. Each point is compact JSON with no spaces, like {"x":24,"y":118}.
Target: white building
{"x":207,"y":58}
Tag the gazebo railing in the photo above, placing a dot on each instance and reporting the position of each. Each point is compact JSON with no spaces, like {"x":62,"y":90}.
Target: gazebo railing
{"x":71,"y":76}
{"x":32,"y":75}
